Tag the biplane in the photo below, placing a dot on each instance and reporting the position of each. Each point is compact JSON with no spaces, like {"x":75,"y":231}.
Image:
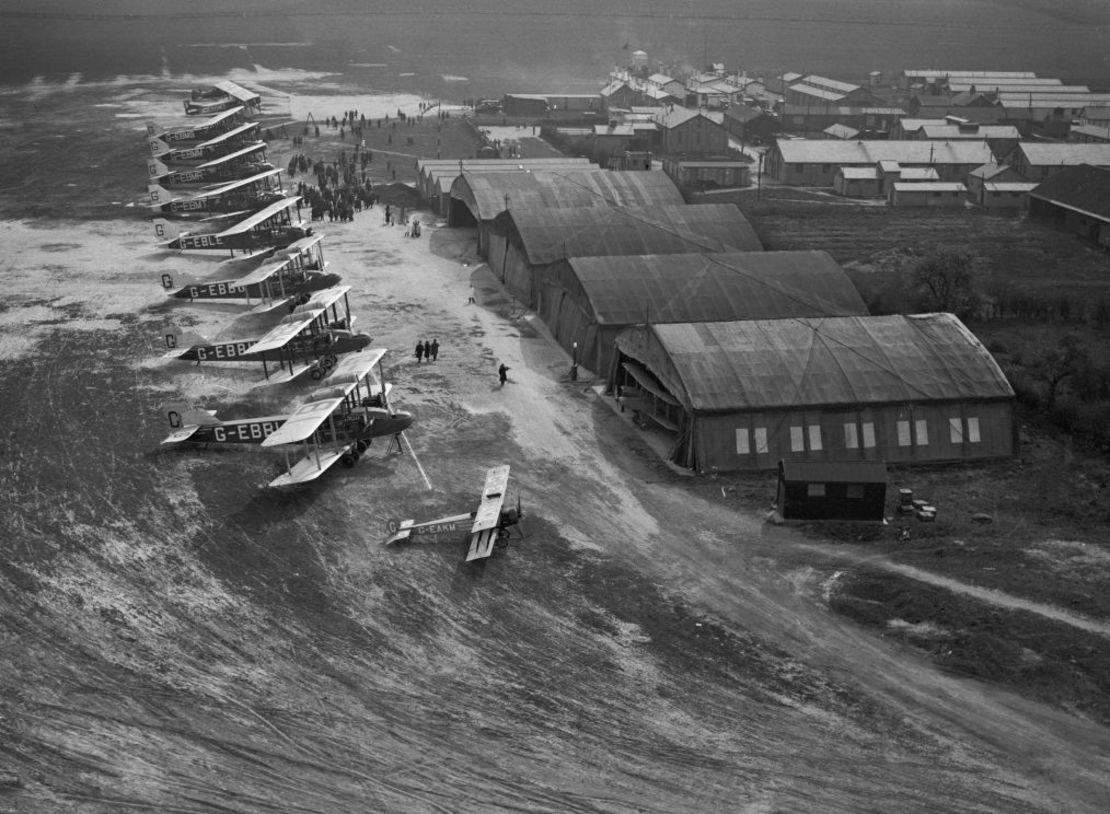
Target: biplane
{"x":310,"y":339}
{"x":299,"y":271}
{"x":221,"y":96}
{"x":267,"y":228}
{"x":201,"y":131}
{"x":244,"y":195}
{"x":242,"y":163}
{"x":222,"y":144}
{"x":354,"y":375}
{"x":336,"y":425}
{"x":486,"y":528}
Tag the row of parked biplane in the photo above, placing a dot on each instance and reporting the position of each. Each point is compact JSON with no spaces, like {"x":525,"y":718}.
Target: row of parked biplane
{"x":213,"y":176}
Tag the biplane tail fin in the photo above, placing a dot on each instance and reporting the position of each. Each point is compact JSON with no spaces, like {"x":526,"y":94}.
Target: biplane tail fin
{"x":178,"y":342}
{"x":176,"y":282}
{"x":151,"y":127}
{"x":180,"y":415}
{"x":158,"y":195}
{"x":158,"y":146}
{"x":165,"y":231}
{"x":155,"y":168}
{"x":400,"y":530}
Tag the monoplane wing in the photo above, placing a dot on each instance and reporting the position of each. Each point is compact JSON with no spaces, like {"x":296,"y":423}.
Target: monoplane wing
{"x":484,"y":530}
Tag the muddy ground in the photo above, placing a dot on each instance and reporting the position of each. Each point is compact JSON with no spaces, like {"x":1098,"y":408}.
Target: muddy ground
{"x":178,"y":638}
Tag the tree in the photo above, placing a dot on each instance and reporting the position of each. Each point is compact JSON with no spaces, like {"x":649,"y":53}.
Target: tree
{"x":944,"y":281}
{"x":1053,"y":365}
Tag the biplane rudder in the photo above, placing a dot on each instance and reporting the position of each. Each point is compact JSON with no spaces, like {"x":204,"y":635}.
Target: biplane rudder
{"x":158,"y":146}
{"x":179,"y":342}
{"x":155,"y":168}
{"x":179,"y":415}
{"x":173,"y":283}
{"x":158,"y":195}
{"x":165,"y":231}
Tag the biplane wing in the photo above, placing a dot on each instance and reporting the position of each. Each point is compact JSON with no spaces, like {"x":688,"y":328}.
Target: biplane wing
{"x":483,"y":532}
{"x":242,"y":152}
{"x":335,"y":420}
{"x":261,"y":216}
{"x":230,"y":135}
{"x":302,"y":317}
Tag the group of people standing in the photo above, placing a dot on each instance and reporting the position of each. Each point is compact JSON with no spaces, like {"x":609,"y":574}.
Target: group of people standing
{"x":427,"y":350}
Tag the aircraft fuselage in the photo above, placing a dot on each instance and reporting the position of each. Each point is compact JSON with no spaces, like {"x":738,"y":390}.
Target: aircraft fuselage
{"x":297,"y":283}
{"x":331,"y":343}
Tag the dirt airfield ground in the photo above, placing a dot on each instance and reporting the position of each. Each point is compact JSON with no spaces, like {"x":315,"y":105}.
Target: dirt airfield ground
{"x":177,"y":638}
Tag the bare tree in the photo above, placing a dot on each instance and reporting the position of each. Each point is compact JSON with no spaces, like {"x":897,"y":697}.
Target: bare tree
{"x":944,"y":281}
{"x":1053,"y":365}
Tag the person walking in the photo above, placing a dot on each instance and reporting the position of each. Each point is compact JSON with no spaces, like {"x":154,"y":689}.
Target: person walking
{"x":503,"y":373}
{"x":419,"y":352}
{"x":435,"y":349}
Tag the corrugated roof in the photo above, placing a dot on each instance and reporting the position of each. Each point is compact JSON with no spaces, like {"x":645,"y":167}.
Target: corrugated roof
{"x":715,"y":287}
{"x":1061,"y":154}
{"x":1084,"y":188}
{"x":929,"y":186}
{"x":855,"y":360}
{"x":980,"y":131}
{"x":548,"y":235}
{"x":835,"y":151}
{"x":485,"y":193}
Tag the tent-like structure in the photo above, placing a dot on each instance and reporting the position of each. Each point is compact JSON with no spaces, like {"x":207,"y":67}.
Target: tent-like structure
{"x":588,"y":301}
{"x":477,"y":198}
{"x":525,"y":246}
{"x":747,"y":394}
{"x":435,"y":176}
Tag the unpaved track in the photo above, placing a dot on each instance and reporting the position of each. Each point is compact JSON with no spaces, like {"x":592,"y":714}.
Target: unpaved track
{"x":177,"y":638}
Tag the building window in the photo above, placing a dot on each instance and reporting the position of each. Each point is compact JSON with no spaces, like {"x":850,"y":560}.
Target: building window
{"x":903,"y":433}
{"x":760,"y":440}
{"x":956,"y":430}
{"x":743,"y":443}
{"x":815,"y":490}
{"x":851,"y":436}
{"x":868,"y":435}
{"x":922,"y":431}
{"x":815,"y":437}
{"x":973,"y":430}
{"x":797,"y":439}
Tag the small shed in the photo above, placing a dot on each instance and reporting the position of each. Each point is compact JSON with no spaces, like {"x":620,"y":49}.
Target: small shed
{"x":935,"y":194}
{"x":832,"y":490}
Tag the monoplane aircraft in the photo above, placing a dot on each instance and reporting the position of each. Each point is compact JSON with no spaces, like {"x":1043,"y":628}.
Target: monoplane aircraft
{"x":336,"y":424}
{"x":245,"y":195}
{"x":488,"y":526}
{"x":298,"y":271}
{"x":242,"y":163}
{"x":271,"y":227}
{"x":226,"y":142}
{"x":309,"y":339}
{"x":200,"y":131}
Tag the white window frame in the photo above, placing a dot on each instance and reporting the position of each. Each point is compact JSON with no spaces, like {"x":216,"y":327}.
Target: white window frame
{"x":973,"y":434}
{"x":761,"y":447}
{"x":815,"y":437}
{"x":956,"y":430}
{"x":868,"y":434}
{"x":797,"y":438}
{"x":904,"y":439}
{"x":921,"y":432}
{"x":851,"y":435}
{"x":743,"y":441}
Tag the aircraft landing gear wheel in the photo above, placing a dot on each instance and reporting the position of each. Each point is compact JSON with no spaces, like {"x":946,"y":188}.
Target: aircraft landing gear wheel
{"x":317,"y":373}
{"x":330,"y":361}
{"x":361,"y":446}
{"x":348,"y":459}
{"x":502,"y":538}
